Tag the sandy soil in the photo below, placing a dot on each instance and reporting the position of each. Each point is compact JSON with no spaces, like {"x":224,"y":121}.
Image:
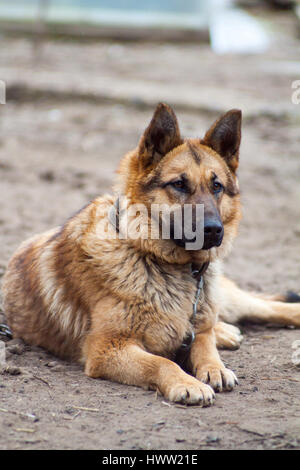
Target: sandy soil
{"x":55,"y":156}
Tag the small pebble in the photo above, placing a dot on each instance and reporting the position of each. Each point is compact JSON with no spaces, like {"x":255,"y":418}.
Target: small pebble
{"x":70,"y":410}
{"x":51,"y":364}
{"x":57,"y":368}
{"x":212,"y":438}
{"x":11,"y":370}
{"x":15,"y":349}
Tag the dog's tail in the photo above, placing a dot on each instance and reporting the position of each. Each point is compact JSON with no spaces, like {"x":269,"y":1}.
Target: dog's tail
{"x":238,"y":305}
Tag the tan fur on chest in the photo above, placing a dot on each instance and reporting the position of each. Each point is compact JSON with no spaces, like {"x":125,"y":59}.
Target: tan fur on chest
{"x":157,"y":310}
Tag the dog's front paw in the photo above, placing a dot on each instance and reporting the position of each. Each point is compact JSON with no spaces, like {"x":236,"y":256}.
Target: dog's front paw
{"x":227,"y":336}
{"x":217,"y":376}
{"x":191,"y":392}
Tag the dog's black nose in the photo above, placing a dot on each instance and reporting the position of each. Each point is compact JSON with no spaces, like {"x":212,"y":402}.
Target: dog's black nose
{"x":213,"y":233}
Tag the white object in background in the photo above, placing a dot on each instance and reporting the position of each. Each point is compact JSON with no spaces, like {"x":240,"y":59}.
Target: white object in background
{"x":235,"y":32}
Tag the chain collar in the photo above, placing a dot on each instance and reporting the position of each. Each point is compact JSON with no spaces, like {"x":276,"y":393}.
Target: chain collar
{"x":197,"y":273}
{"x":183,"y":351}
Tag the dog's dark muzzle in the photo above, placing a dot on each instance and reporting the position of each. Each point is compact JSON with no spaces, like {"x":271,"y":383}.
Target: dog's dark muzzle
{"x":213,"y":235}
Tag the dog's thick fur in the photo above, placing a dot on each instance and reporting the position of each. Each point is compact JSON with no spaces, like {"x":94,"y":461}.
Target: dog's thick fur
{"x":123,"y":306}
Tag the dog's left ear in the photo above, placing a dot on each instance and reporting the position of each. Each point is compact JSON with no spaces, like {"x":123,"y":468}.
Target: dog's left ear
{"x":160,"y":137}
{"x":224,"y":137}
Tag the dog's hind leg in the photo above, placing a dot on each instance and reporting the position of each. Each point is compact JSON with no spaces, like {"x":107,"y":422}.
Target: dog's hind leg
{"x":227,"y":336}
{"x":237,"y":305}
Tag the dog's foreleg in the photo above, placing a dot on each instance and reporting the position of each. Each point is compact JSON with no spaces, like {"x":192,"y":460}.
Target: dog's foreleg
{"x":125,"y":361}
{"x":237,"y":305}
{"x":207,"y":365}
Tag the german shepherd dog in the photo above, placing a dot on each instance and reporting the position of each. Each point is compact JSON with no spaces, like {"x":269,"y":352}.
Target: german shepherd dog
{"x":146,"y":311}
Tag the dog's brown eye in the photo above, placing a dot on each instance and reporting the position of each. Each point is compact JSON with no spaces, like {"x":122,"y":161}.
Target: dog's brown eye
{"x":178,"y":184}
{"x":217,"y":187}
{"x":181,"y":184}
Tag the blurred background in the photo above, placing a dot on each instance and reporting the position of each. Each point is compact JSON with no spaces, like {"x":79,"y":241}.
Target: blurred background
{"x":82,"y":79}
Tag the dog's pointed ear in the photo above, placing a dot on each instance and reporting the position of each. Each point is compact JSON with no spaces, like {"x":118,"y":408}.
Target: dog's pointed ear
{"x":224,"y":137}
{"x":160,"y":137}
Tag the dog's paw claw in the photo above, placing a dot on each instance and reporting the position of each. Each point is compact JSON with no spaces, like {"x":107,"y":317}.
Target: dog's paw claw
{"x":218,"y":377}
{"x":192,"y":392}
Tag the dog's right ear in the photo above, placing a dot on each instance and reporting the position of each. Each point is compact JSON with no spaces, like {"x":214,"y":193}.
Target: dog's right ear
{"x":160,"y":137}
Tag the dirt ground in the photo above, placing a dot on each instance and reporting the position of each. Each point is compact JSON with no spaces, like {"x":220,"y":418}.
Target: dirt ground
{"x":56,"y":154}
